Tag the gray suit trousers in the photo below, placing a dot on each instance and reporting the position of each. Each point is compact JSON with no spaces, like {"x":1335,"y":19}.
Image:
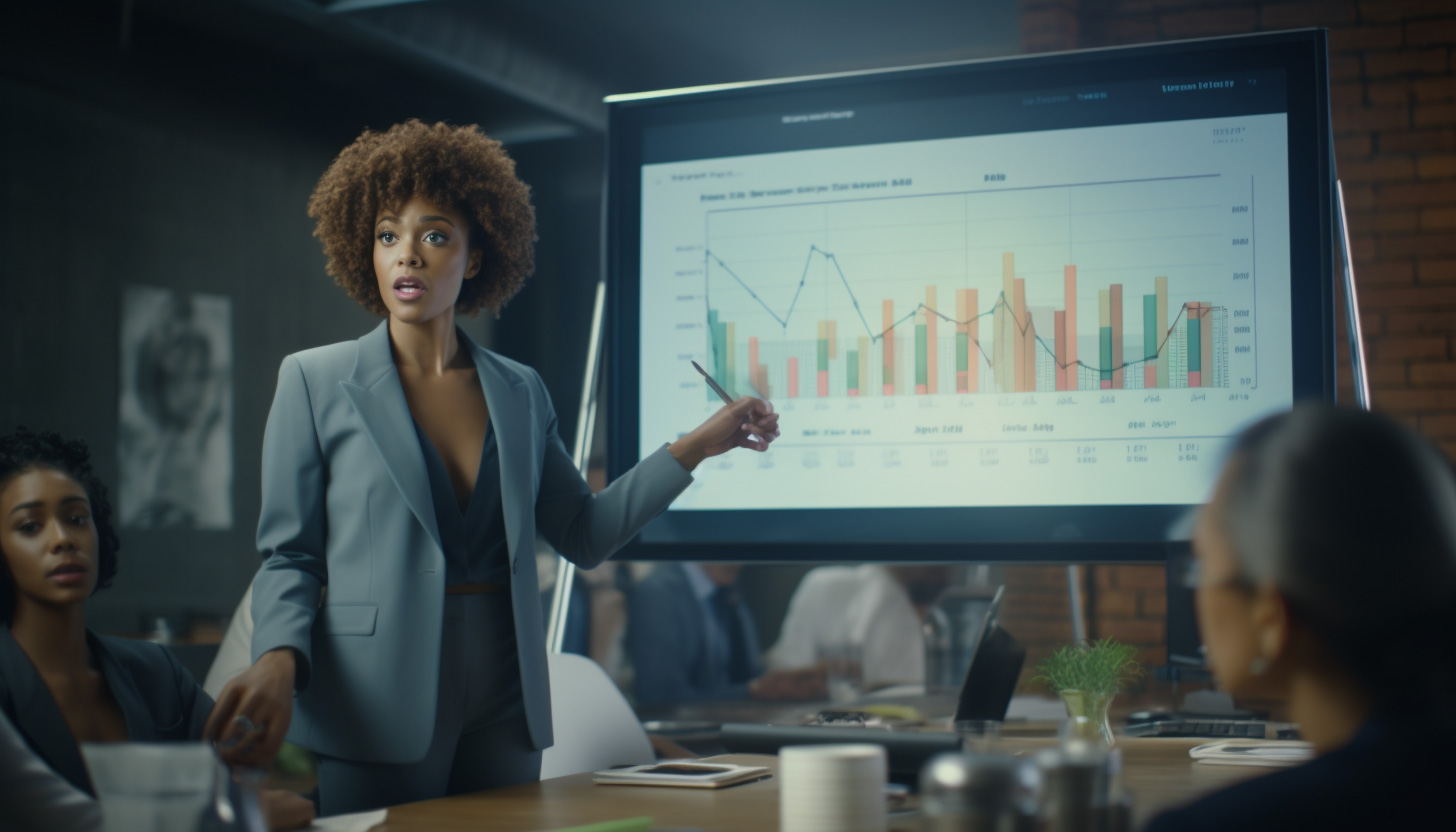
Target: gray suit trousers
{"x":481,"y":740}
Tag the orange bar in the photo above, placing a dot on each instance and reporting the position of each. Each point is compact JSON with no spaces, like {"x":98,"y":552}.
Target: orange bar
{"x":1069,"y":300}
{"x":887,"y":346}
{"x":753,"y":378}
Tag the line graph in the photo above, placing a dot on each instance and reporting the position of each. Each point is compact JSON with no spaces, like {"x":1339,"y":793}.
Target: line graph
{"x":1021,"y":324}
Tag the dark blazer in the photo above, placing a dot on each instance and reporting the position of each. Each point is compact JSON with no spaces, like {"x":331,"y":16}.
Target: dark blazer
{"x":1385,"y":778}
{"x":674,"y":658}
{"x":159,"y":699}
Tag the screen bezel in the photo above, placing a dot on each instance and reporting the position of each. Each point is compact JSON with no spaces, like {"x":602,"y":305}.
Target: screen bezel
{"x":1026,"y":534}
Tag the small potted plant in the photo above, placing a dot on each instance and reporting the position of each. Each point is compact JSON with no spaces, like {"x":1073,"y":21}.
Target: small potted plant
{"x":1087,"y":676}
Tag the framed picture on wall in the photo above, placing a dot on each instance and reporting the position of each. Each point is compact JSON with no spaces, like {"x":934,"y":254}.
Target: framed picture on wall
{"x":175,"y":442}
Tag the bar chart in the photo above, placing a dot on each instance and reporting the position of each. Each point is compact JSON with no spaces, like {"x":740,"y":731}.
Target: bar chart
{"x":913,"y":355}
{"x":1023,"y":331}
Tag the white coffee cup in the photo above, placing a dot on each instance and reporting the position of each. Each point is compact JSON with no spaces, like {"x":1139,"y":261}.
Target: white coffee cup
{"x":832,"y":788}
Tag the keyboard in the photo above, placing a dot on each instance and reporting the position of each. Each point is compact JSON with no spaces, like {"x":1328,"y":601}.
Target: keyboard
{"x":1213,"y":728}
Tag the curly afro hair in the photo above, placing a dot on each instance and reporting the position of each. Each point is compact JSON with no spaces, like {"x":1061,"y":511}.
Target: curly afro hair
{"x":26,"y":450}
{"x":456,"y":167}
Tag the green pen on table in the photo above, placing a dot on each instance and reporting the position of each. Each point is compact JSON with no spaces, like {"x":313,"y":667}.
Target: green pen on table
{"x":639,"y":824}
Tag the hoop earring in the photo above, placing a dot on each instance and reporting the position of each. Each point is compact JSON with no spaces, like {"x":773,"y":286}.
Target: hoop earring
{"x":1259,"y":666}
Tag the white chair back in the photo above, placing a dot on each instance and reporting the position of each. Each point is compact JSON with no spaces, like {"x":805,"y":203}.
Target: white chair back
{"x":594,"y":726}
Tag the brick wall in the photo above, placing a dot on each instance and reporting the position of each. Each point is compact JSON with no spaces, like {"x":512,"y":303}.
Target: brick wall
{"x":1393,"y":98}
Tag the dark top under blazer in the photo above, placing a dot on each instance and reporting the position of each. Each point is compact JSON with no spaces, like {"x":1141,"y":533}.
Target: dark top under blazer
{"x":1385,"y":778}
{"x":158,"y":698}
{"x":473,"y":535}
{"x":347,"y":505}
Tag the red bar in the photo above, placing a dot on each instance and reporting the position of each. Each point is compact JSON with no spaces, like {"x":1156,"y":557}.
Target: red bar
{"x":1029,"y":342}
{"x":823,"y":383}
{"x":920,"y":390}
{"x":1059,"y":323}
{"x":973,"y":349}
{"x":1018,"y":336}
{"x":1150,"y":374}
{"x":1205,"y":335}
{"x":854,"y":393}
{"x":1107,"y":384}
{"x":793,"y":378}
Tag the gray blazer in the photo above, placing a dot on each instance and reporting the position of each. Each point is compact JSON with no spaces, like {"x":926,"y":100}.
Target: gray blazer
{"x":347,"y":506}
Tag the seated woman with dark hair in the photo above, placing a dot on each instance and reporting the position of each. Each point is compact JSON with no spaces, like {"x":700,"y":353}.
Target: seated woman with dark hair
{"x":1327,"y":578}
{"x":60,"y":683}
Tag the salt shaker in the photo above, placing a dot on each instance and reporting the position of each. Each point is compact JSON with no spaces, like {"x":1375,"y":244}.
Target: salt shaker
{"x":1080,"y":789}
{"x":978,"y":793}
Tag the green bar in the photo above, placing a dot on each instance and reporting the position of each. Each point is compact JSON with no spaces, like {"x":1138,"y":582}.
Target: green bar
{"x":824,"y":354}
{"x":1150,"y":327}
{"x":1105,"y":352}
{"x":719,"y":334}
{"x":1195,"y":346}
{"x":920,"y":374}
{"x":853,"y":371}
{"x":963,"y":342}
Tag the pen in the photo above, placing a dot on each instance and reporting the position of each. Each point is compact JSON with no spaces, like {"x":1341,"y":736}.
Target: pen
{"x":722,"y":394}
{"x":717,"y":388}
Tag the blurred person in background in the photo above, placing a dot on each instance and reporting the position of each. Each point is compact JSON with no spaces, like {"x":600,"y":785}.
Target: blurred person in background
{"x":1326,"y":577}
{"x":60,"y":683}
{"x":691,"y":639}
{"x":409,"y":472}
{"x":876,"y":610}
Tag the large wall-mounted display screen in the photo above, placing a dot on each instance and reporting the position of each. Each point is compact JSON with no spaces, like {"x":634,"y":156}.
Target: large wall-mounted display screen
{"x":1008,"y":309}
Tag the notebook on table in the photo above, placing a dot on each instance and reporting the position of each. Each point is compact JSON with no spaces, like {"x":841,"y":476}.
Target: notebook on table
{"x":682,"y":773}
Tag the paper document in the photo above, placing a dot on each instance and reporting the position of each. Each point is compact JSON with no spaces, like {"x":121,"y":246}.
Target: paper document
{"x":1275,"y":753}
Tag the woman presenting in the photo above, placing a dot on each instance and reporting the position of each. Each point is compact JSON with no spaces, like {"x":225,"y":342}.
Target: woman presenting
{"x":407,"y":473}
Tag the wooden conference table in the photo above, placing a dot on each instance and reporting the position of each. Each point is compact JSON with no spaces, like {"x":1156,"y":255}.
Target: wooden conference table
{"x":1158,"y":773}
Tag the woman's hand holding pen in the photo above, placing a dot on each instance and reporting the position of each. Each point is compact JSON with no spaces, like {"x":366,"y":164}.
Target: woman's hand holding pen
{"x":746,"y":423}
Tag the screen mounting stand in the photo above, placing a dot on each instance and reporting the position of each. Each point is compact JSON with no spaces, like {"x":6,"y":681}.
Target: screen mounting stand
{"x":1352,"y":308}
{"x":586,"y":418}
